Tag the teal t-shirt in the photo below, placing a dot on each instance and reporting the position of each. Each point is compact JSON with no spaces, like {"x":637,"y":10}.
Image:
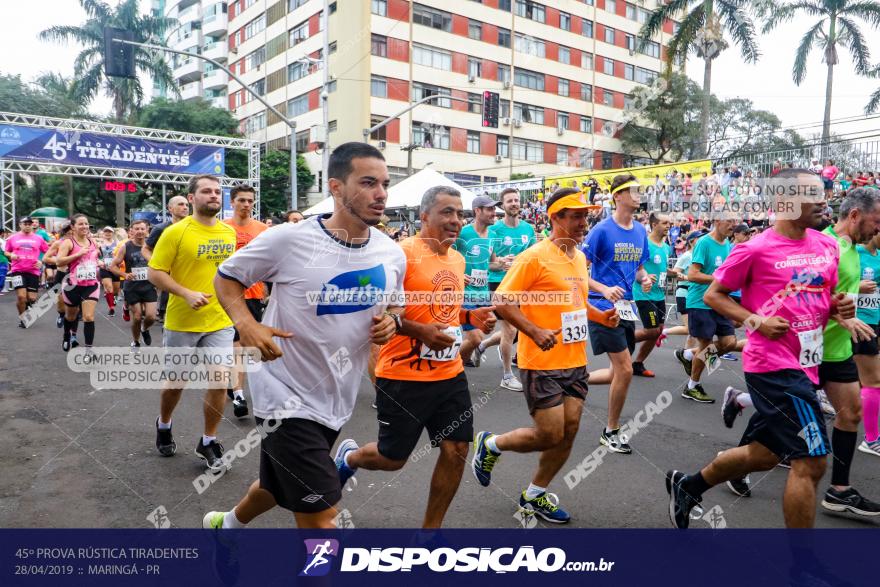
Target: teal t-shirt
{"x":477,"y":250}
{"x":869,"y":310}
{"x":657,"y":265}
{"x":509,"y":241}
{"x":710,"y":254}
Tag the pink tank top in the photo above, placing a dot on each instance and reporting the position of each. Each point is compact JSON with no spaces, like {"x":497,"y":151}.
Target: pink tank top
{"x":83,"y":271}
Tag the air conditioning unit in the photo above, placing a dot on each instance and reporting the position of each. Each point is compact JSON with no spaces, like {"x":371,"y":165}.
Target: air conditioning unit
{"x":560,"y":131}
{"x":517,"y":123}
{"x":472,"y":78}
{"x":506,"y":85}
{"x":317,"y":134}
{"x":505,"y":122}
{"x":382,"y":145}
{"x":497,"y":158}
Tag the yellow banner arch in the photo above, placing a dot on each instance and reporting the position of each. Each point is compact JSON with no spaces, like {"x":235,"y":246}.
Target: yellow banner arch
{"x":645,"y":174}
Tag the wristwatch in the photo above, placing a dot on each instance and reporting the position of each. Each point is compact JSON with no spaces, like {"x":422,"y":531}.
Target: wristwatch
{"x":398,"y":321}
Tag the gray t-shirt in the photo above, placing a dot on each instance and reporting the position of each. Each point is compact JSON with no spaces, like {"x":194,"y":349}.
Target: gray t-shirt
{"x":326,"y":293}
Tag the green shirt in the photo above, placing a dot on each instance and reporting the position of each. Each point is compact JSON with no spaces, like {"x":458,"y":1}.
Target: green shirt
{"x":868,"y":311}
{"x":477,"y":251}
{"x":710,"y":254}
{"x":509,"y":241}
{"x":656,"y":265}
{"x":837,"y":341}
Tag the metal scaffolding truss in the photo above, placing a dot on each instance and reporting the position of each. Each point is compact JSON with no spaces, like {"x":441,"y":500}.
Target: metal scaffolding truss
{"x":9,"y":167}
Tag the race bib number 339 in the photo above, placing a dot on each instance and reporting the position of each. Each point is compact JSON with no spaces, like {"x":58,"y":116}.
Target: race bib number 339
{"x":574,"y":326}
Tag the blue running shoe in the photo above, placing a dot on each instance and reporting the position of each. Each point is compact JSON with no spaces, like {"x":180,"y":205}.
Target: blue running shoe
{"x":345,"y":472}
{"x":546,"y":506}
{"x":484,"y":459}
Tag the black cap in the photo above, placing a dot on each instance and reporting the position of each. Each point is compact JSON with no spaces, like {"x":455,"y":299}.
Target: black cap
{"x":695,"y":235}
{"x":741,"y":229}
{"x":25,"y":219}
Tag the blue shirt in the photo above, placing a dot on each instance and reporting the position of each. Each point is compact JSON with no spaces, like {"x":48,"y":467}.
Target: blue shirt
{"x":615,"y":255}
{"x":509,"y":241}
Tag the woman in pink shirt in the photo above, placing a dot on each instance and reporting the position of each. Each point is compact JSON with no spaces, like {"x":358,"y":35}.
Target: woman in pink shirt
{"x":81,"y":287}
{"x":829,"y":173}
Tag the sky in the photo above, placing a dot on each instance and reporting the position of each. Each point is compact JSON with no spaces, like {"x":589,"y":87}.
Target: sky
{"x":768,"y":83}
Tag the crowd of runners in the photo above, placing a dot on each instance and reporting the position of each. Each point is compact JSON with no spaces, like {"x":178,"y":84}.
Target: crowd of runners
{"x":328,"y":299}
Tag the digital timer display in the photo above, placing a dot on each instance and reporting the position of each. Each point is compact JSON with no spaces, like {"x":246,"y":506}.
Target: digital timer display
{"x":120,"y":186}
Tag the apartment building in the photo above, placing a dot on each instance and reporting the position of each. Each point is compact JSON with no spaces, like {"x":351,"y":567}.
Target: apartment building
{"x":201,"y":28}
{"x":562,"y":68}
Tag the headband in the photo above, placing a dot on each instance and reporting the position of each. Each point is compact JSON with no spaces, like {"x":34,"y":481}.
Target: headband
{"x":573,"y":201}
{"x":627,"y":185}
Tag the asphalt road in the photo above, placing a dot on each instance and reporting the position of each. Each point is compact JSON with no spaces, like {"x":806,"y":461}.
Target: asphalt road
{"x":82,"y":457}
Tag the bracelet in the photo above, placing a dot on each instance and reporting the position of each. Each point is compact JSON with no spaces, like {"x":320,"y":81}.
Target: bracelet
{"x":467,"y":317}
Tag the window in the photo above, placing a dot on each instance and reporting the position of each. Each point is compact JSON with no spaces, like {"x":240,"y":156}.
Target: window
{"x":587,"y":60}
{"x":302,"y":141}
{"x":475,"y":67}
{"x":258,"y":25}
{"x":527,"y":113}
{"x":607,"y":161}
{"x":562,"y":120}
{"x":611,"y":6}
{"x":503,"y":73}
{"x":651,"y":49}
{"x":565,"y":21}
{"x":378,"y":87}
{"x":629,"y":71}
{"x":504,"y":5}
{"x":530,"y":10}
{"x":586,"y":92}
{"x":431,"y":17}
{"x":379,"y":7}
{"x":565,"y":55}
{"x":255,"y":59}
{"x":643,"y":15}
{"x":332,"y":126}
{"x":645,"y":76}
{"x":630,"y":41}
{"x":422,"y":91}
{"x":607,"y":66}
{"x":628,"y":102}
{"x":475,"y":103}
{"x":587,"y":28}
{"x":631,"y":11}
{"x":298,"y":106}
{"x":528,"y":150}
{"x":530,"y":45}
{"x":291,"y":4}
{"x":563,"y":87}
{"x":378,"y":135}
{"x":331,"y":87}
{"x":259,"y":87}
{"x":609,"y":35}
{"x":608,"y":97}
{"x":379,"y":46}
{"x":503,"y":37}
{"x":473,"y":142}
{"x":297,"y":70}
{"x":255,"y":123}
{"x":431,"y":57}
{"x":561,"y":155}
{"x":212,"y":12}
{"x":529,"y":79}
{"x":299,"y":34}
{"x":505,"y":109}
{"x":502,"y":147}
{"x":431,"y":136}
{"x":586,"y":124}
{"x":475,"y":29}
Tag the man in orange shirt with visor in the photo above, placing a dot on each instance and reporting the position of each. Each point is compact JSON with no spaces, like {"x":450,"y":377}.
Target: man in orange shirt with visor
{"x":544,"y":295}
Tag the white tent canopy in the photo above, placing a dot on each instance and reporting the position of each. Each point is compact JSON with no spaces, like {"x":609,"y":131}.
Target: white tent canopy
{"x":406,"y":194}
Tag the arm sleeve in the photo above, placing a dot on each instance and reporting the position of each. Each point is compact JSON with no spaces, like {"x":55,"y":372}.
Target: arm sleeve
{"x":734,"y":272}
{"x":260,"y":260}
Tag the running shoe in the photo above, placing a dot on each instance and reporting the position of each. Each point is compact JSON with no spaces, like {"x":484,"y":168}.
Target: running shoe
{"x":729,"y":357}
{"x":212,"y":453}
{"x":21,"y":324}
{"x":871,"y":448}
{"x":680,"y":503}
{"x":148,"y":338}
{"x":477,"y":356}
{"x":165,"y":441}
{"x":740,"y":487}
{"x":849,"y":500}
{"x":615,"y":441}
{"x":469,"y":363}
{"x":687,"y":364}
{"x":213,"y":520}
{"x":111,"y":312}
{"x":65,"y":345}
{"x":345,"y":472}
{"x":545,"y":506}
{"x":240,"y":407}
{"x":826,"y":406}
{"x":697,"y":394}
{"x":73,"y":342}
{"x":730,"y":408}
{"x":59,"y":321}
{"x":229,"y":393}
{"x":511,"y":382}
{"x":484,"y":459}
{"x":660,"y":340}
{"x":125,"y":314}
{"x":135,"y":347}
{"x":640,"y":371}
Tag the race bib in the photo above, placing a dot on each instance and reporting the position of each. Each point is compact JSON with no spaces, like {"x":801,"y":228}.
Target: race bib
{"x":625,"y":310}
{"x":107,"y":262}
{"x":447,"y":354}
{"x":574,"y":326}
{"x":811,"y":347}
{"x":87,"y":272}
{"x":17,"y":281}
{"x":661,"y":280}
{"x":479,"y":278}
{"x":869,"y":301}
{"x":139,"y":274}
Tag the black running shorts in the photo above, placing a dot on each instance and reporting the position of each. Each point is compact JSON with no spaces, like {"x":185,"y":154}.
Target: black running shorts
{"x":652,"y":313}
{"x":612,"y":340}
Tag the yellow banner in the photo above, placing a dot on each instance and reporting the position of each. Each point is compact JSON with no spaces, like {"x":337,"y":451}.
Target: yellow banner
{"x":645,"y":175}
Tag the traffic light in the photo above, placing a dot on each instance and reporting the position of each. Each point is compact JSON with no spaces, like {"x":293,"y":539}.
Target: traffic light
{"x":491,"y":106}
{"x":118,"y":57}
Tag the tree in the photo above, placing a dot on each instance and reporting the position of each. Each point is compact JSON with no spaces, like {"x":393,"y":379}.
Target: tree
{"x":49,"y":95}
{"x":842,"y":32}
{"x":700,"y":32}
{"x":197,"y":116}
{"x":275,"y":181}
{"x":736,"y":129}
{"x":527,"y":175}
{"x":127,"y":94}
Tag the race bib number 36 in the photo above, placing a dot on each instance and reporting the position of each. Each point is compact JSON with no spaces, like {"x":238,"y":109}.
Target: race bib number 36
{"x":447,"y":354}
{"x":625,"y":310}
{"x":574,"y":326}
{"x":811,"y":347}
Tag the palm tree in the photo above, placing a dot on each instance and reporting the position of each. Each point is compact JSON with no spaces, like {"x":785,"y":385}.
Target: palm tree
{"x":842,"y":31}
{"x":127,"y":94}
{"x":701,"y":31}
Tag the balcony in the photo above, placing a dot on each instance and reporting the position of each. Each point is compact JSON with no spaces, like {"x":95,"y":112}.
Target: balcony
{"x":182,"y":4}
{"x":214,"y":24}
{"x":218,"y":51}
{"x":188,"y":71}
{"x":191,"y":91}
{"x":220,"y":102}
{"x":186,"y":41}
{"x":215,"y":79}
{"x":188,"y":15}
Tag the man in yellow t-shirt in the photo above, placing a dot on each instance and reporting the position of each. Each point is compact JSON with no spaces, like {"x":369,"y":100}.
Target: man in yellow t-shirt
{"x":544,"y":296}
{"x":184,"y":263}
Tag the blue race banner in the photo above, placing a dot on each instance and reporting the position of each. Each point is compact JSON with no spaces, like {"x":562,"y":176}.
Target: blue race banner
{"x":45,"y":145}
{"x":361,"y":557}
